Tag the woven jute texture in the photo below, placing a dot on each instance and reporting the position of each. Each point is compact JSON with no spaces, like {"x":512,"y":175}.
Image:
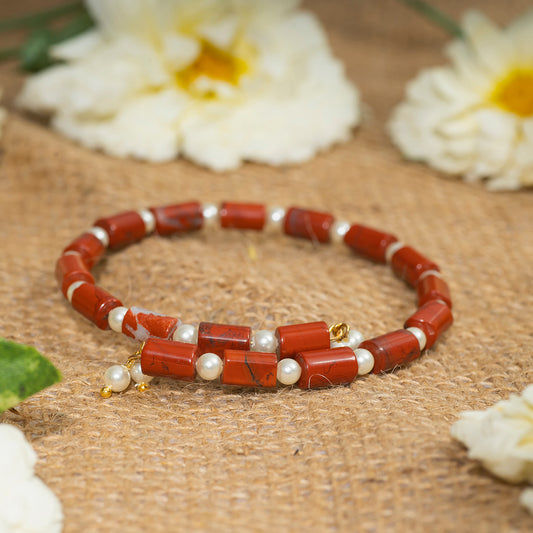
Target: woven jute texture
{"x":374,"y":456}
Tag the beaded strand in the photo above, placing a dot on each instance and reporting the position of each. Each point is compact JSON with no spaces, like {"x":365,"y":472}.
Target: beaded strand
{"x":310,"y":355}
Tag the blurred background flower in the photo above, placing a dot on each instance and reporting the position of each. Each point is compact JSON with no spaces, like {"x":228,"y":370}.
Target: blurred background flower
{"x":501,"y":437}
{"x":216,"y":81}
{"x":474,"y":117}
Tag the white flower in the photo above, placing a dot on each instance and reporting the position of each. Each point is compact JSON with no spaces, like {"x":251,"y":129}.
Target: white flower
{"x":501,"y":437}
{"x":474,"y":118}
{"x":218,"y":81}
{"x":27,"y":505}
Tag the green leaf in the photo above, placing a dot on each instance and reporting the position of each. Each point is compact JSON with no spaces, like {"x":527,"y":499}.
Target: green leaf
{"x":23,"y":372}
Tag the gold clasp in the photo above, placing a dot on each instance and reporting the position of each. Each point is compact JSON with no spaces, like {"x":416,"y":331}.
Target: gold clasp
{"x":338,"y":331}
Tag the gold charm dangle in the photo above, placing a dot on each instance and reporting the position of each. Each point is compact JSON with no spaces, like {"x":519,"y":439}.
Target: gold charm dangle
{"x":118,"y":377}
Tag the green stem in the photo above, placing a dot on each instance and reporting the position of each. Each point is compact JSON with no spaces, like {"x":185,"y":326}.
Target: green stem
{"x":435,"y":15}
{"x":9,"y":53}
{"x":40,"y":18}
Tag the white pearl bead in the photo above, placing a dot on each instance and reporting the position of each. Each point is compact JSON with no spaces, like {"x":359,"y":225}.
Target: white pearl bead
{"x":101,"y":235}
{"x":420,"y":335}
{"x":289,"y":371}
{"x":116,"y":317}
{"x":435,"y":273}
{"x":392,"y":249}
{"x":117,"y":378}
{"x":71,"y":288}
{"x":148,"y":219}
{"x":137,"y":374}
{"x":186,"y":333}
{"x":210,"y":214}
{"x":338,"y":230}
{"x":365,"y":361}
{"x":209,"y":366}
{"x":353,"y":340}
{"x":264,"y":341}
{"x":275,"y":218}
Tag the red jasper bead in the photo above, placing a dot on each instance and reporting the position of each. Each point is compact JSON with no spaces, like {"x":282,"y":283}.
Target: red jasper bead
{"x":70,"y":268}
{"x":433,"y":318}
{"x":308,"y":224}
{"x":141,"y":324}
{"x":94,"y":303}
{"x":165,"y":358}
{"x":242,"y":216}
{"x":216,"y":338}
{"x":123,"y":229}
{"x":249,"y":369}
{"x":369,"y":242}
{"x":408,"y":264}
{"x":323,"y":368}
{"x":89,"y":247}
{"x":302,"y":338}
{"x":392,"y":350}
{"x":433,"y":288}
{"x":178,"y":218}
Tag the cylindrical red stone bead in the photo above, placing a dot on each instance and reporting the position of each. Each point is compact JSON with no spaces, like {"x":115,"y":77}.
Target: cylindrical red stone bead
{"x":216,"y":338}
{"x":392,"y":350}
{"x":178,"y":218}
{"x":242,"y":216}
{"x":369,"y":242}
{"x":302,"y":338}
{"x":322,"y":368}
{"x":249,"y":369}
{"x":433,"y":318}
{"x":94,"y":303}
{"x":89,"y":247}
{"x":433,"y":288}
{"x":408,"y":264}
{"x":70,"y":268}
{"x":165,"y":358}
{"x":123,"y":229}
{"x":308,"y":224}
{"x":141,"y":324}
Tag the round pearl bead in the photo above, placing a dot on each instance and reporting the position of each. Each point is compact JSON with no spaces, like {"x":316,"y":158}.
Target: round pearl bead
{"x":210,"y":214}
{"x":289,"y":371}
{"x":420,"y":335}
{"x":392,"y":249}
{"x":148,"y":219}
{"x":71,"y":288}
{"x":186,"y":333}
{"x":137,"y":374}
{"x":117,"y":378}
{"x":275,"y":218}
{"x":338,"y":230}
{"x":209,"y":366}
{"x":116,"y":317}
{"x":365,"y":361}
{"x":101,"y":235}
{"x":264,"y":341}
{"x":353,"y":340}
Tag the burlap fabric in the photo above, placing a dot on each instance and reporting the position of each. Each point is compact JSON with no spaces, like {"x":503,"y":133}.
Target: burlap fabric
{"x":374,"y":456}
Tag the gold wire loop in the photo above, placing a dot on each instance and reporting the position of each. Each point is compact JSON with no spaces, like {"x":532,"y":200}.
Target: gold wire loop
{"x":338,"y":331}
{"x":132,"y":359}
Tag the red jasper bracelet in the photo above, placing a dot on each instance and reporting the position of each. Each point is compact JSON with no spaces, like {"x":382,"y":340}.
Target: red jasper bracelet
{"x":310,"y":355}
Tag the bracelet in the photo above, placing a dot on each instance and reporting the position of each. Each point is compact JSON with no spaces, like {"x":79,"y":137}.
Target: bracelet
{"x":309,"y":355}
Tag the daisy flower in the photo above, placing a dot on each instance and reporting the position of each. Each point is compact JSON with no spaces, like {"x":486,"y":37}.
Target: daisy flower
{"x":217,"y":81}
{"x":474,"y":117}
{"x":501,"y":437}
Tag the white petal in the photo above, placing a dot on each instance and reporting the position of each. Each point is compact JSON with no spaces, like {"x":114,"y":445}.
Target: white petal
{"x":157,"y":140}
{"x":17,"y":458}
{"x":78,"y":47}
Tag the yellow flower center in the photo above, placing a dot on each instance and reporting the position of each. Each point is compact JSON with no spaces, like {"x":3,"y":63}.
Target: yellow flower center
{"x":213,"y":63}
{"x":515,"y":93}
